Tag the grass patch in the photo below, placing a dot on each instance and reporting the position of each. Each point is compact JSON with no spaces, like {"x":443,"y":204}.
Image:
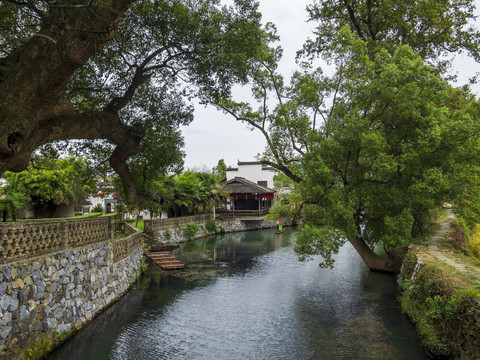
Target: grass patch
{"x":107,"y":215}
{"x":95,"y":214}
{"x":59,"y":218}
{"x":140,"y":224}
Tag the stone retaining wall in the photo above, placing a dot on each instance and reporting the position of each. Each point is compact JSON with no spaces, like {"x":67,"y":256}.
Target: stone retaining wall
{"x":176,"y":233}
{"x":152,"y":227}
{"x":63,"y":290}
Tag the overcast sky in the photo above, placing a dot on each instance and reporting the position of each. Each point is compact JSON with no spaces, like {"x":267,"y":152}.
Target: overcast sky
{"x":213,"y":135}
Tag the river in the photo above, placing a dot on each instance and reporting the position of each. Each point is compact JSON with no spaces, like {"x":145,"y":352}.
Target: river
{"x":246,"y":296}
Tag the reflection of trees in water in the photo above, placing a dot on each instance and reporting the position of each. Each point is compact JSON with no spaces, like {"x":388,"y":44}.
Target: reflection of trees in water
{"x":234,"y":251}
{"x":367,"y":329}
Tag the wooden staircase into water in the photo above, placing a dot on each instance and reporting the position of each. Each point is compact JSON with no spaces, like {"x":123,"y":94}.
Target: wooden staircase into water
{"x":165,"y":260}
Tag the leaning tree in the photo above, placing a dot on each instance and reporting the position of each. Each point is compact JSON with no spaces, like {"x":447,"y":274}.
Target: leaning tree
{"x":376,"y":145}
{"x":121,"y":72}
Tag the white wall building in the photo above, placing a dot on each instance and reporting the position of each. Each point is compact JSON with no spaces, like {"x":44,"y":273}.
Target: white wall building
{"x":254,"y":171}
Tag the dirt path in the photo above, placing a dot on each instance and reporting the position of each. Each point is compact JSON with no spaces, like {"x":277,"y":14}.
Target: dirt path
{"x":435,"y":247}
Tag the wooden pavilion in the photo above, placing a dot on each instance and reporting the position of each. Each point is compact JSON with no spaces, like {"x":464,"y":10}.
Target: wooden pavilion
{"x":246,"y":199}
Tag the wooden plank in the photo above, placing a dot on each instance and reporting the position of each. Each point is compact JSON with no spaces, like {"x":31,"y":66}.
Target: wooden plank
{"x":165,"y":260}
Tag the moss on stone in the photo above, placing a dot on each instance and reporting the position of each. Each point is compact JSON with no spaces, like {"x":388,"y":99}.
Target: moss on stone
{"x":444,"y":313}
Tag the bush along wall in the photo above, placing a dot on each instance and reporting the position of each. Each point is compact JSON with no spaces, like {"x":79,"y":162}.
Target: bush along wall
{"x":445,"y":311}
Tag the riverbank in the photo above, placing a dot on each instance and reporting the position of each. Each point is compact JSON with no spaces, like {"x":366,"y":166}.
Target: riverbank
{"x":56,"y":276}
{"x":165,"y":232}
{"x":441,"y":292}
{"x":247,"y":296}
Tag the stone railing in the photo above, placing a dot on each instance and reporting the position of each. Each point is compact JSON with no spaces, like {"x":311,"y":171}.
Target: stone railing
{"x":26,"y":239}
{"x":151,"y":226}
{"x":121,"y":248}
{"x":129,"y":228}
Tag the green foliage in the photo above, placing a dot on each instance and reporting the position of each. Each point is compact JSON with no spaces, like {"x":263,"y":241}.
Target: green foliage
{"x":51,"y":182}
{"x":10,"y":204}
{"x":167,"y":234}
{"x":211,"y":225}
{"x":190,"y":230}
{"x":92,"y":214}
{"x":97,"y":209}
{"x":313,"y":240}
{"x":289,"y":204}
{"x":134,"y":92}
{"x":191,"y":191}
{"x":393,"y":142}
{"x":220,"y":170}
{"x":474,"y":241}
{"x":439,"y":310}
{"x":119,"y":225}
{"x":193,"y":49}
{"x":142,"y":268}
{"x":46,"y":344}
{"x":431,"y":28}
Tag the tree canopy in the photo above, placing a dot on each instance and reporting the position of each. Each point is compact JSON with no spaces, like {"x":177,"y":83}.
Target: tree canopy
{"x":119,"y":72}
{"x":382,"y":142}
{"x":185,"y":194}
{"x":51,"y":182}
{"x":220,"y":170}
{"x":430,"y":28}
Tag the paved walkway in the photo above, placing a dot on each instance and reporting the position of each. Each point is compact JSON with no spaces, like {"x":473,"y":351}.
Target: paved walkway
{"x":437,"y":249}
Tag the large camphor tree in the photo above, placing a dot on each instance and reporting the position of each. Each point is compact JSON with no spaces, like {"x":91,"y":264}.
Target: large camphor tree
{"x":120,"y":72}
{"x":379,"y":143}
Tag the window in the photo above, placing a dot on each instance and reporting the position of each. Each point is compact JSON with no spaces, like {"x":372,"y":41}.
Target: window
{"x":262,"y":183}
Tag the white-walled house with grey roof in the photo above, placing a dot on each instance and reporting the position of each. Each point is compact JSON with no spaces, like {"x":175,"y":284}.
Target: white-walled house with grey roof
{"x":255,"y":171}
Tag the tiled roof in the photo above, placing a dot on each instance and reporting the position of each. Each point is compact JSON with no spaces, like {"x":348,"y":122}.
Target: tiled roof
{"x":239,"y":185}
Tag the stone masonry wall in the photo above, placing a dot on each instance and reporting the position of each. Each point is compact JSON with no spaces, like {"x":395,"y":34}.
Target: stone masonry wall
{"x":152,"y":227}
{"x":61,"y":291}
{"x":177,"y":235}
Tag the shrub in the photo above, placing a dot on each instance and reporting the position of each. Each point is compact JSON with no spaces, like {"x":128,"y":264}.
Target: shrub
{"x":119,"y":225}
{"x":211,"y":225}
{"x":97,"y":208}
{"x":439,"y":310}
{"x":190,"y":230}
{"x":167,"y":234}
{"x":474,"y":243}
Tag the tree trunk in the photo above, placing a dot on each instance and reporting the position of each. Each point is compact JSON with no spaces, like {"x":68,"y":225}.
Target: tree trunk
{"x":35,"y":108}
{"x":373,"y":260}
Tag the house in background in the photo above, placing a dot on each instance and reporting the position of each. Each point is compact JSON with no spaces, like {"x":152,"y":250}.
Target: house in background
{"x":250,"y":191}
{"x":255,"y":171}
{"x":108,"y":202}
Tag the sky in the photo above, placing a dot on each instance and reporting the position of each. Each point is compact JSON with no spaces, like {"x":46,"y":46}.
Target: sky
{"x":213,"y":135}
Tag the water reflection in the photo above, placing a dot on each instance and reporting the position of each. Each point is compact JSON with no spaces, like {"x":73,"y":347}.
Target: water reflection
{"x":246,"y":296}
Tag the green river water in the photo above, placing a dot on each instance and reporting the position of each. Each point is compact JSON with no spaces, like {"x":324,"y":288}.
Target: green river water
{"x":246,"y":296}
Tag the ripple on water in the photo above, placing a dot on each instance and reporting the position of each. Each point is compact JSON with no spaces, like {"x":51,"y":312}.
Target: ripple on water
{"x":274,"y":307}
